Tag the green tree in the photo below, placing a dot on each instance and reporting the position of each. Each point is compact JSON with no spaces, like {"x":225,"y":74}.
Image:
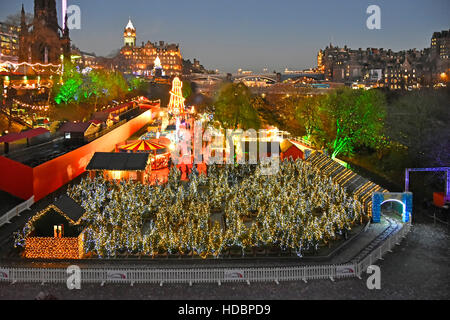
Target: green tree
{"x":116,"y":86}
{"x":234,"y":108}
{"x":282,"y":112}
{"x":306,"y":113}
{"x":351,"y":118}
{"x":187,"y":89}
{"x":286,"y":114}
{"x":98,"y":82}
{"x":68,"y":89}
{"x":420,"y":122}
{"x":138,"y":86}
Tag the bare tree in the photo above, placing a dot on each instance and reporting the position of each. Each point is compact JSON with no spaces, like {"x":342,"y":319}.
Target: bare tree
{"x":420,"y":122}
{"x":14,"y":19}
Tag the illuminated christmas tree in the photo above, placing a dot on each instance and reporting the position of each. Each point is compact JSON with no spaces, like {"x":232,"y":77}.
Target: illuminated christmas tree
{"x":176,"y":103}
{"x":158,"y":63}
{"x":158,"y":70}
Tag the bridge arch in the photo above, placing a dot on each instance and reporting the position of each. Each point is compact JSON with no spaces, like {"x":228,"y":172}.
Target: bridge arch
{"x":403,"y":205}
{"x":255,"y":77}
{"x":206,"y":78}
{"x":380,"y":198}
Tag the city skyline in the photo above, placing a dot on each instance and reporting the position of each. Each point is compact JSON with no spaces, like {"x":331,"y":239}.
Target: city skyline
{"x":224,"y":152}
{"x":211,"y":32}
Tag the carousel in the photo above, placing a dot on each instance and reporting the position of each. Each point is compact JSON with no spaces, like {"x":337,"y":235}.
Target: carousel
{"x":159,"y":154}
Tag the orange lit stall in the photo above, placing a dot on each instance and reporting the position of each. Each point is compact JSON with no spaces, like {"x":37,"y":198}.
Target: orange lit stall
{"x":159,"y":155}
{"x":56,"y":232}
{"x":118,"y":166}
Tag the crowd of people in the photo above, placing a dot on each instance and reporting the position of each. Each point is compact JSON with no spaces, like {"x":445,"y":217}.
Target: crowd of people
{"x":297,"y":208}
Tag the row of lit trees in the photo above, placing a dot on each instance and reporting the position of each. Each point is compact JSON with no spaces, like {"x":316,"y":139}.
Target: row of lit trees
{"x":78,"y":86}
{"x":296,"y":208}
{"x":340,"y":121}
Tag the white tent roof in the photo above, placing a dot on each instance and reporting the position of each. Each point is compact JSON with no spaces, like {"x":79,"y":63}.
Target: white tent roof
{"x":130,"y":25}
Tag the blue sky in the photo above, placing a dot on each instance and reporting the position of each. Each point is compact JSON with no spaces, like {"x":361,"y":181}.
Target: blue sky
{"x":253,"y":34}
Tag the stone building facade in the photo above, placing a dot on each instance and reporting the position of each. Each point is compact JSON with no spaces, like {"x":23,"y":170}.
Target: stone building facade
{"x":43,"y":41}
{"x":9,"y":42}
{"x":408,"y":69}
{"x":140,"y":60}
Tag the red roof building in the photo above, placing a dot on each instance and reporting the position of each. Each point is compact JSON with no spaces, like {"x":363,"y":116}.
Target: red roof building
{"x":11,"y":137}
{"x":77,"y":131}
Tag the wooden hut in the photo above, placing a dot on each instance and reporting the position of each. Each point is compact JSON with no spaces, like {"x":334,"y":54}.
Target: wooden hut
{"x":56,"y":232}
{"x":117,"y":166}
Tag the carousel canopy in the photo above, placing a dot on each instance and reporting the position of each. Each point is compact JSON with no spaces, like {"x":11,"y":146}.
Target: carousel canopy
{"x":142,"y":145}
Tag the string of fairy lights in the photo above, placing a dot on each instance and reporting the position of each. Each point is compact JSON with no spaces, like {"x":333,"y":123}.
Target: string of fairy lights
{"x":33,"y":107}
{"x":13,"y":67}
{"x":297,"y":208}
{"x":21,"y":237}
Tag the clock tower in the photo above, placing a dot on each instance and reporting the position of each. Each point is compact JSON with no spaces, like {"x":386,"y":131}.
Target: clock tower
{"x":129,"y":35}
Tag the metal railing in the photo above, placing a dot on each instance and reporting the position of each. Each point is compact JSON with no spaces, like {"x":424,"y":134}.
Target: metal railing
{"x":385,"y":247}
{"x":180,"y":275}
{"x":16,"y":211}
{"x":305,"y":142}
{"x":147,"y":275}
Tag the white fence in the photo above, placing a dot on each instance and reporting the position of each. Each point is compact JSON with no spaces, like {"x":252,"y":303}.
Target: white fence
{"x":384,"y":248}
{"x":180,"y":275}
{"x":205,"y":275}
{"x":16,"y":211}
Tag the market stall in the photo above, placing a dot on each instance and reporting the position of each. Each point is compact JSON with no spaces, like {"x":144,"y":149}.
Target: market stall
{"x":158,"y":152}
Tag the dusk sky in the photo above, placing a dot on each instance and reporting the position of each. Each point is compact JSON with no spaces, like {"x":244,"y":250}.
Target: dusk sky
{"x":253,"y":34}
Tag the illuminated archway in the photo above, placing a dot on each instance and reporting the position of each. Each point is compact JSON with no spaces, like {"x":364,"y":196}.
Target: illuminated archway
{"x":404,"y":198}
{"x":396,"y":201}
